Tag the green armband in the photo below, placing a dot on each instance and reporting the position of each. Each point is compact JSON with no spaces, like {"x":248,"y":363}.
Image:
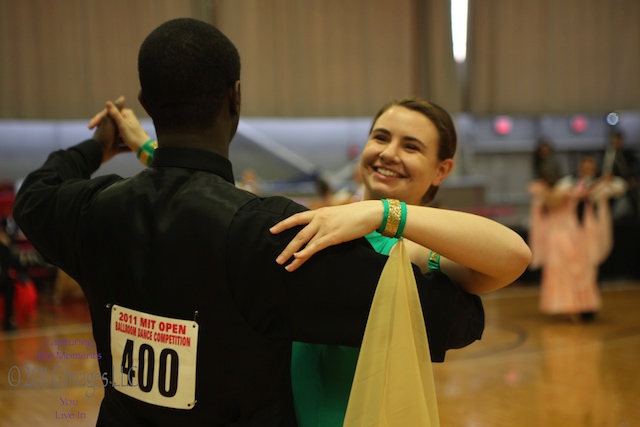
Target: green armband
{"x":434,"y":261}
{"x":385,"y":216}
{"x":394,"y":218}
{"x":145,"y":153}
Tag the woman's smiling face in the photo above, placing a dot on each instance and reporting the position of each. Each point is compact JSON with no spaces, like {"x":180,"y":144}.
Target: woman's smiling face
{"x":400,"y":159}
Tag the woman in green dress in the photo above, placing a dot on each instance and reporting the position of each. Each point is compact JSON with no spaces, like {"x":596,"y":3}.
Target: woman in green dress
{"x":409,"y":153}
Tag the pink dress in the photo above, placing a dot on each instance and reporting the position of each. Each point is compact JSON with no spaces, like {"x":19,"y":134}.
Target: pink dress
{"x":568,"y":250}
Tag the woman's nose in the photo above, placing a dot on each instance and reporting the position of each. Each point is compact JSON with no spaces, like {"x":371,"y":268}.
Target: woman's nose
{"x":390,"y":152}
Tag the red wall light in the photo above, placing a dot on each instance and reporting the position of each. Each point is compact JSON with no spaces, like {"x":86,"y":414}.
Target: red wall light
{"x":502,"y":125}
{"x":579,"y":124}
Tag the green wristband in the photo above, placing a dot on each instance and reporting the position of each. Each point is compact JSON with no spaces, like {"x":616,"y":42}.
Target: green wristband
{"x":146,"y":148}
{"x":434,"y":261}
{"x":385,"y":216}
{"x":403,"y":219}
{"x":145,"y":153}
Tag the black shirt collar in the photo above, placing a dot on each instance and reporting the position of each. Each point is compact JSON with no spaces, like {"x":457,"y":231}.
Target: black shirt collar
{"x":192,"y":158}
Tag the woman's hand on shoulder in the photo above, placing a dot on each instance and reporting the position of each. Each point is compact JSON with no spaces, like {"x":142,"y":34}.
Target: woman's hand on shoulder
{"x":326,"y":227}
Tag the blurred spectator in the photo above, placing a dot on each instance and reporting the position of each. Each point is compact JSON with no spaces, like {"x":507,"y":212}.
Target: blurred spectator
{"x":7,"y":195}
{"x":7,"y":284}
{"x":354,"y":189}
{"x":622,"y":162}
{"x":249,"y":181}
{"x":324,"y":195}
{"x":545,"y":164}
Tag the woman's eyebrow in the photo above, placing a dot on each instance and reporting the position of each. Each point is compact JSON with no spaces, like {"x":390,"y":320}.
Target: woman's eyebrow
{"x":414,"y":139}
{"x":383,"y":130}
{"x":404,"y":138}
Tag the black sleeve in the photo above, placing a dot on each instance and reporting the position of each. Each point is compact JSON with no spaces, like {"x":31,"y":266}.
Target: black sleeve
{"x":49,"y":204}
{"x":327,"y":300}
{"x":454,"y":317}
{"x":332,"y":296}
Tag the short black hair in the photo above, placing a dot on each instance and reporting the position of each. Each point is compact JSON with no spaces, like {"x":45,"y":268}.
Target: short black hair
{"x":185,"y":67}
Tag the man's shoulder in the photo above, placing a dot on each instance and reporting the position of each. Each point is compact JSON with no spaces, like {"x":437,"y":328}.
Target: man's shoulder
{"x":252,"y":221}
{"x":275,"y":205}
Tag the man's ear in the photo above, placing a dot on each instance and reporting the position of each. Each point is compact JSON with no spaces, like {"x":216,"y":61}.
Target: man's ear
{"x":235,"y":101}
{"x":142,"y":102}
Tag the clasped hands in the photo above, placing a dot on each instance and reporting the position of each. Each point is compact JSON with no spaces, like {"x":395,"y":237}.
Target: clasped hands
{"x":118,"y":129}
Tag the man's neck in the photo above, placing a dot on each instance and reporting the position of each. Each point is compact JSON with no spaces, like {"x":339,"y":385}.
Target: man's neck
{"x":203,"y":140}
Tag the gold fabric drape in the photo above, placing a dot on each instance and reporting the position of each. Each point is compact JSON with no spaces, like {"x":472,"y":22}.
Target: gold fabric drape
{"x":393,"y":385}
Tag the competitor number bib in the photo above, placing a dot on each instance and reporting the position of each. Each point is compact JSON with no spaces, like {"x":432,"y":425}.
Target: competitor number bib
{"x":155,"y":356}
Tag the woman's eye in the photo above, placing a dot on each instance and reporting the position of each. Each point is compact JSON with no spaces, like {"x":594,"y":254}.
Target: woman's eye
{"x":382,"y":138}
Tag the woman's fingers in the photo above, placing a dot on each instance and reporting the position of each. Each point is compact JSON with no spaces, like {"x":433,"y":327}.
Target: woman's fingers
{"x":304,"y":236}
{"x":293,"y":221}
{"x":310,"y":240}
{"x":95,"y":121}
{"x":294,"y":265}
{"x":325,"y":227}
{"x":299,"y":240}
{"x":301,"y":256}
{"x":119,"y":102}
{"x":114,"y":112}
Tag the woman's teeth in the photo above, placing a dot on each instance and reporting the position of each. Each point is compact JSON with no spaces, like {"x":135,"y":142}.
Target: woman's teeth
{"x":387,"y":172}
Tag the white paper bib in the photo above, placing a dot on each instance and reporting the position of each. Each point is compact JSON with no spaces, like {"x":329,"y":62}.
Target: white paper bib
{"x":154,"y":357}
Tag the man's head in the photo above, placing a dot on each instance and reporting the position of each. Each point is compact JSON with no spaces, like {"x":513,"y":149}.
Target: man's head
{"x":188,"y":70}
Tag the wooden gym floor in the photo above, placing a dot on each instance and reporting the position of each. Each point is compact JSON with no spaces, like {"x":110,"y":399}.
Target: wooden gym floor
{"x":529,"y":369}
